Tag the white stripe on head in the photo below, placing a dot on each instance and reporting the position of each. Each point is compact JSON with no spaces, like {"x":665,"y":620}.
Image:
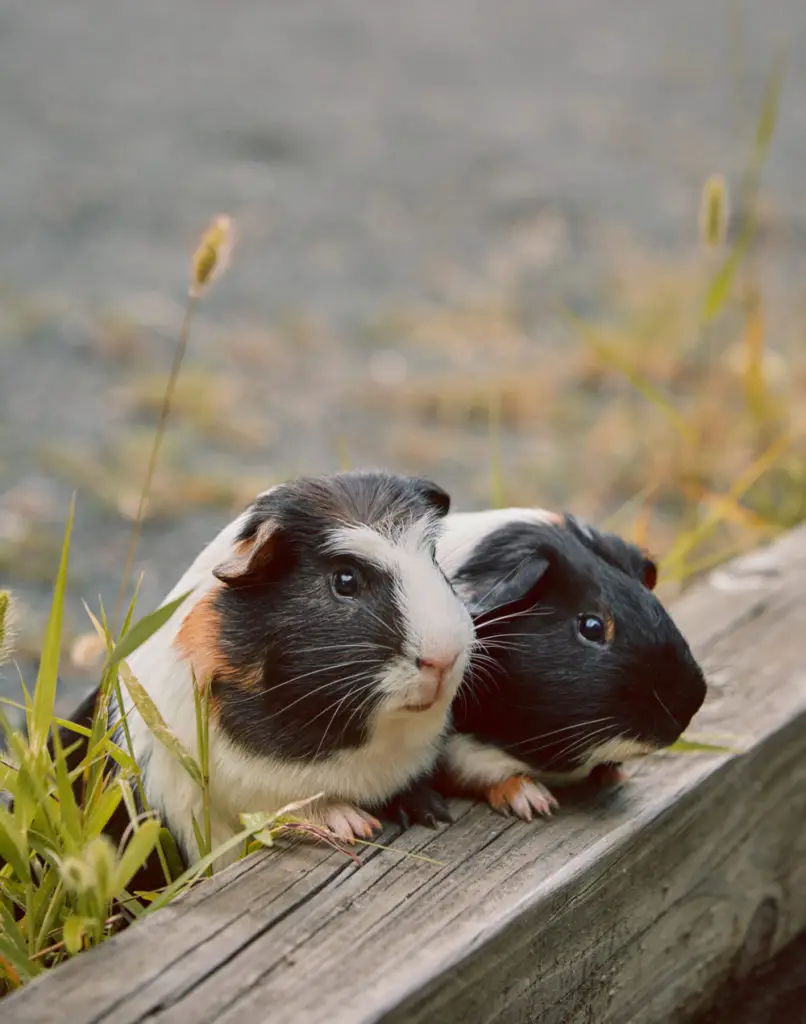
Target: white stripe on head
{"x":437,"y":623}
{"x":463,"y":531}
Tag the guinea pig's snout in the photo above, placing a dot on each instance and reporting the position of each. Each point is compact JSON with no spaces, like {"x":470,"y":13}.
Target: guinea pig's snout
{"x":679,"y":696}
{"x":690,"y":696}
{"x":442,"y":664}
{"x":434,"y":671}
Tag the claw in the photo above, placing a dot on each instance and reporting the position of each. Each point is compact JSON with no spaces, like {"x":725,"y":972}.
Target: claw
{"x":418,"y":805}
{"x":522,"y":796}
{"x":349,"y":823}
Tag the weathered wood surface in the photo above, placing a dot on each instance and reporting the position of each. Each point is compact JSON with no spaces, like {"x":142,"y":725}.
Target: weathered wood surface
{"x":632,"y":905}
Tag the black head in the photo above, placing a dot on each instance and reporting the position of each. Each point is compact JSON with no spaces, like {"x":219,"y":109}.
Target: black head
{"x":329,"y":609}
{"x":576,"y":652}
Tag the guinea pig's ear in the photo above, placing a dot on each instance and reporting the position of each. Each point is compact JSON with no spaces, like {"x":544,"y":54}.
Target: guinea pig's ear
{"x":615,"y":551}
{"x":488,"y":592}
{"x":650,"y":572}
{"x":438,"y":499}
{"x":251,"y":563}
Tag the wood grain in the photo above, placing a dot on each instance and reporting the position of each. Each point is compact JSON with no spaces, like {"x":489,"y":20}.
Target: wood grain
{"x":632,"y":905}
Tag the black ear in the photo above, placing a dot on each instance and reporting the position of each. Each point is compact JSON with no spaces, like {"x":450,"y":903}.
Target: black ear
{"x":253,"y":558}
{"x":616,"y":551}
{"x":492,"y":590}
{"x":650,"y":573}
{"x":433,"y":494}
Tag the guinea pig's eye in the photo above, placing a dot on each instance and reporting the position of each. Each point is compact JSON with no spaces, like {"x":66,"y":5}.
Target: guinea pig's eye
{"x":592,"y":629}
{"x":345,"y":582}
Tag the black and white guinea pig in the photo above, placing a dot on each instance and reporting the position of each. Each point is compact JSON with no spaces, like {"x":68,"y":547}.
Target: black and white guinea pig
{"x":333,"y":644}
{"x":578,"y":666}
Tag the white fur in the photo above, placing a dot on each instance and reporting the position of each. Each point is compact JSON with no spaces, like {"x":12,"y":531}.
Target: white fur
{"x":401,"y":743}
{"x":475,"y":763}
{"x":463,"y":531}
{"x":437,"y":626}
{"x":610,"y":752}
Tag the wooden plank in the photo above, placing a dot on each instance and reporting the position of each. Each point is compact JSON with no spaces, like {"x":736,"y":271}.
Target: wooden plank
{"x":632,"y":905}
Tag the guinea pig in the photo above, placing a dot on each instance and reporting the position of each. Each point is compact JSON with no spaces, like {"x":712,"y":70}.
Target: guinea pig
{"x":578,"y":667}
{"x":333,"y":645}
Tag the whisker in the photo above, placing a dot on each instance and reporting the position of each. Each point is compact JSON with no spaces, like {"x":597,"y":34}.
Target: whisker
{"x":366,"y":702}
{"x":346,"y":697}
{"x":505,"y":578}
{"x":363,"y":644}
{"x":668,"y":712}
{"x":386,"y":626}
{"x":580,"y":743}
{"x":566,"y":728}
{"x":354,"y":679}
{"x":534,"y":610}
{"x":327,"y":668}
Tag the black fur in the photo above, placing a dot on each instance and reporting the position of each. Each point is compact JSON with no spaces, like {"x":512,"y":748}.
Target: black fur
{"x":529,"y":584}
{"x":312,"y":693}
{"x":418,"y":804}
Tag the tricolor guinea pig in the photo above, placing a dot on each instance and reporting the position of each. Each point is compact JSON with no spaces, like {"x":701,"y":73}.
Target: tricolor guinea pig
{"x":578,"y":667}
{"x":333,"y":645}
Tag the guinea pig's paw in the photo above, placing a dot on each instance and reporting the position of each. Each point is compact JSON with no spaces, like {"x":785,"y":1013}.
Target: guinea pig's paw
{"x":522,"y":796}
{"x":608,"y":774}
{"x":418,"y":805}
{"x":349,"y":823}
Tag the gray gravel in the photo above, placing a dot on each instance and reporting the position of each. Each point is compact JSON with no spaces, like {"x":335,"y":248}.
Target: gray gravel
{"x":359,"y":145}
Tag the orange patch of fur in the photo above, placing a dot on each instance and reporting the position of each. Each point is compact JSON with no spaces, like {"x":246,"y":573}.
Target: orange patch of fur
{"x":503,"y":793}
{"x":610,"y":628}
{"x":197,"y":640}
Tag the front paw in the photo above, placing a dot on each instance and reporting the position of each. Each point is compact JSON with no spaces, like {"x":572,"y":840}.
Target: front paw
{"x":610,"y":773}
{"x":417,"y":805}
{"x":349,"y":823}
{"x":521,"y":796}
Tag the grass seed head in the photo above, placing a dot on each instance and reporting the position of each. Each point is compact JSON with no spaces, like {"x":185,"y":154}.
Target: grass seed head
{"x":6,"y":625}
{"x":76,"y":874}
{"x":213,"y":254}
{"x":714,"y":212}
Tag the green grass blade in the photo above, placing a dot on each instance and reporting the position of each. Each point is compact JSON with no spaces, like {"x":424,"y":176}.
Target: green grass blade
{"x":138,"y":850}
{"x":105,"y":806}
{"x":143,"y":629}
{"x":684,"y":746}
{"x":172,"y":855}
{"x":129,"y":617}
{"x":13,"y":847}
{"x":24,"y":968}
{"x":150,"y":714}
{"x":639,"y":382}
{"x":52,"y":893}
{"x":74,"y":931}
{"x":70,"y":813}
{"x":45,"y":690}
{"x":12,"y":930}
{"x":721,"y":286}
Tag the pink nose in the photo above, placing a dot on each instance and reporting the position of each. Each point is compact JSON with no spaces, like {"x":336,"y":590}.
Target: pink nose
{"x":441,"y":664}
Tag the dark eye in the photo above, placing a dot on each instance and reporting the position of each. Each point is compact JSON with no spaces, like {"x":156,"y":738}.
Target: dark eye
{"x":592,"y":629}
{"x":345,"y":582}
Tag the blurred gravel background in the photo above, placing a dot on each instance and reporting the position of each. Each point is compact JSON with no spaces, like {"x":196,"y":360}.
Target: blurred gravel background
{"x":383,"y":162}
